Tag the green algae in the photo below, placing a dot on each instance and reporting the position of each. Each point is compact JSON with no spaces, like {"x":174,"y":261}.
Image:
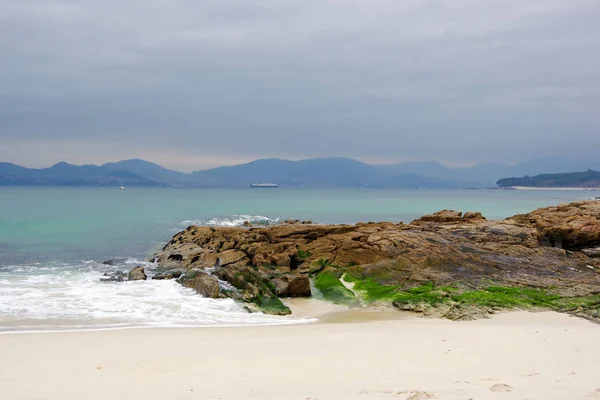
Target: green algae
{"x":303,"y":254}
{"x":272,"y":305}
{"x":501,"y":297}
{"x":334,"y":290}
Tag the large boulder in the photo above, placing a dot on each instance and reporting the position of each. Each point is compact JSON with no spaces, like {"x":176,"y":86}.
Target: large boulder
{"x":202,"y":282}
{"x":137,"y":274}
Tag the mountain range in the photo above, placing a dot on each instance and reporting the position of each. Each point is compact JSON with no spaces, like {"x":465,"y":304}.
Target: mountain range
{"x":315,"y":172}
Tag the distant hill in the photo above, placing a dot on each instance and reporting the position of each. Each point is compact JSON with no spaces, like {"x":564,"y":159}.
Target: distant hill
{"x":151,"y":171}
{"x":63,"y":174}
{"x":487,"y":174}
{"x":585,"y":179}
{"x":315,"y":172}
{"x":336,"y":172}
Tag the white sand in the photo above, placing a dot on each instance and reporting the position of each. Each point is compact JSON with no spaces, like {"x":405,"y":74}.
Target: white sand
{"x":512,"y":356}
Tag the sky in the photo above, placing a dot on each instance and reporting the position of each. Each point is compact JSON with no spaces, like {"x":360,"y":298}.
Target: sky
{"x":192,"y":84}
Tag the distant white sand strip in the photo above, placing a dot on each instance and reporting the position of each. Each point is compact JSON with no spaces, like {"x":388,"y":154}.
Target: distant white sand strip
{"x":550,"y":188}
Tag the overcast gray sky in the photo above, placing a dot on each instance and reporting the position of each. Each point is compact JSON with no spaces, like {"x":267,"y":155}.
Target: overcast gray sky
{"x":196,"y":83}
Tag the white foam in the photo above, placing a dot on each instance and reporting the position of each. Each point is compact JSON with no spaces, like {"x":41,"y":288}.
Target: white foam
{"x":58,"y":298}
{"x":234,"y":220}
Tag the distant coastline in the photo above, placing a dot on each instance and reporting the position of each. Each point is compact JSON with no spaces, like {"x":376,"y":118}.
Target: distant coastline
{"x":550,"y":188}
{"x":309,"y":173}
{"x":584,"y":180}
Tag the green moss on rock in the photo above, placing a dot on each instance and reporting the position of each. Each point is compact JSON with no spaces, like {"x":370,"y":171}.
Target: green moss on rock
{"x":333,"y":290}
{"x":509,"y":297}
{"x":272,"y":305}
{"x":491,"y":297}
{"x":371,"y":290}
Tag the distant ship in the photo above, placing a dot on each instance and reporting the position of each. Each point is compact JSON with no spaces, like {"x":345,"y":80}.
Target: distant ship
{"x":264,"y":185}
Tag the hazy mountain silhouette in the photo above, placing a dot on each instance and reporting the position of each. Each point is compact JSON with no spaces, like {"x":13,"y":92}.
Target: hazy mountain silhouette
{"x":316,"y":172}
{"x":64,"y":174}
{"x":150,"y":171}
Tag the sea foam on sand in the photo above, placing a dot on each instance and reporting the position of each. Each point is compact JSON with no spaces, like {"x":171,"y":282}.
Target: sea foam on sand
{"x":516,"y":355}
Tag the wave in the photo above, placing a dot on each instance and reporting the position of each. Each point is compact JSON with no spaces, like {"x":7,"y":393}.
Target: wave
{"x":234,"y":220}
{"x":71,"y":297}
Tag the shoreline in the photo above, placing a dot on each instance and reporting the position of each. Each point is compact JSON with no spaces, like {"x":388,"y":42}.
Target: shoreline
{"x":305,"y":311}
{"x":516,"y":355}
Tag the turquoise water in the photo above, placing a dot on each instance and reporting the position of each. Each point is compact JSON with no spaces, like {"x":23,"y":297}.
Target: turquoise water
{"x":90,"y":223}
{"x":53,"y":240}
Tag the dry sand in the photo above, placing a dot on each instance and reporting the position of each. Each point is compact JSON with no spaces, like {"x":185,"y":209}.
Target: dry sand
{"x":512,"y":356}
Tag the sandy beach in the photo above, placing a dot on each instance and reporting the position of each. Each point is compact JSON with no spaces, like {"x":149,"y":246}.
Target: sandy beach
{"x":515,"y":355}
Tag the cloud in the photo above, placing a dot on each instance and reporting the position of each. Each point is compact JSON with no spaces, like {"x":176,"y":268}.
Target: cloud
{"x":461,"y":81}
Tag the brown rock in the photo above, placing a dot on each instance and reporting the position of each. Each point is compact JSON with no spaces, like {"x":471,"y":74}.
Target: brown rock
{"x":295,"y":286}
{"x":473,"y":215}
{"x":137,"y":274}
{"x":299,"y":286}
{"x":445,"y":248}
{"x":442,"y":216}
{"x":570,"y":226}
{"x":232,"y":256}
{"x":203,"y":283}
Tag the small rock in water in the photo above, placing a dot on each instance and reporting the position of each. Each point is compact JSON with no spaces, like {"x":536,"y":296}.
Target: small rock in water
{"x":137,"y":274}
{"x":169,"y":274}
{"x":118,"y":276}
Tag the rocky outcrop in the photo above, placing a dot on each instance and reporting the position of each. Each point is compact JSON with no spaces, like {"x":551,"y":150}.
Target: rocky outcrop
{"x":553,"y":247}
{"x":137,"y":274}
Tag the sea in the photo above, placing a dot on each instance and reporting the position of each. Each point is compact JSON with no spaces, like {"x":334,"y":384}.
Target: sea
{"x":54,"y":243}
